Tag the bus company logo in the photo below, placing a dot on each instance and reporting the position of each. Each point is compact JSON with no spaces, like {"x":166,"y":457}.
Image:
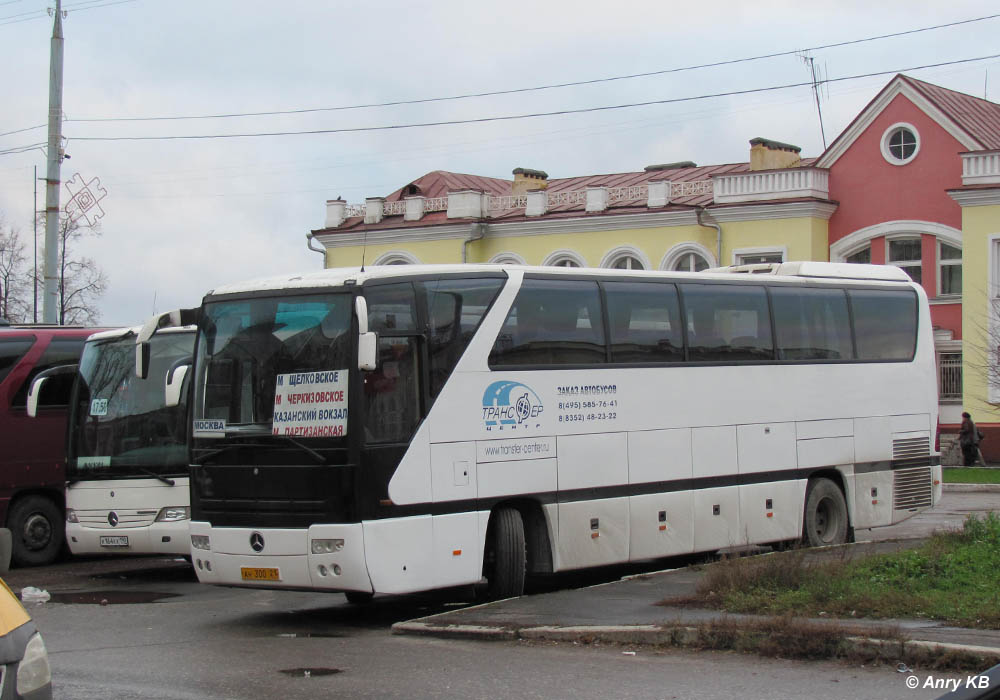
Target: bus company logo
{"x":510,"y":405}
{"x":113,"y":519}
{"x":257,"y":542}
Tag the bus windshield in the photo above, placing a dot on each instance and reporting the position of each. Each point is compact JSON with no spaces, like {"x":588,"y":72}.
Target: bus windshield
{"x":275,"y":366}
{"x":121,"y":426}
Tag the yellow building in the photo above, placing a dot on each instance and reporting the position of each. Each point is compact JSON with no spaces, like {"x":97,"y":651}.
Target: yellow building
{"x":675,"y":216}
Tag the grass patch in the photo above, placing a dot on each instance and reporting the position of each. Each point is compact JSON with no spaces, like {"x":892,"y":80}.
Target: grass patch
{"x":953,"y":577}
{"x":971,"y":475}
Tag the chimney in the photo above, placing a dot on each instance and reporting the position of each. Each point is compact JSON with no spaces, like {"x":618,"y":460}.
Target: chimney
{"x":336,"y":212}
{"x":773,"y":155}
{"x":525,"y":179}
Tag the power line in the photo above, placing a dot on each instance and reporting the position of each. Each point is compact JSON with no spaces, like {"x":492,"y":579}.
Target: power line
{"x":537,"y":88}
{"x":532,"y":115}
{"x":41,"y":14}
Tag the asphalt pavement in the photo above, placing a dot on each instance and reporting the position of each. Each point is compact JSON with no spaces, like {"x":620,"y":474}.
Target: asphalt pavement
{"x":630,"y":610}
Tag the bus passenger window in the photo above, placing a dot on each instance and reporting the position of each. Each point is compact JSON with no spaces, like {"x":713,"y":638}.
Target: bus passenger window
{"x":885,"y":323}
{"x":727,"y":323}
{"x":811,"y":324}
{"x":644,"y":322}
{"x":552,"y":322}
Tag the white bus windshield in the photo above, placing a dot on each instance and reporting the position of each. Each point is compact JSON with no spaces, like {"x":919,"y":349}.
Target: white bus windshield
{"x":276,"y":366}
{"x":121,"y":426}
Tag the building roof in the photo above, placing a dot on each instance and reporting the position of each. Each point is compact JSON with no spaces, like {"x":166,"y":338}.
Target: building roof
{"x":439,"y":182}
{"x":978,"y":117}
{"x":974,"y":122}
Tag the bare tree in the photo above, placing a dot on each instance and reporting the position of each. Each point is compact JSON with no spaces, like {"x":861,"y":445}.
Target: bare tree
{"x":15,"y":278}
{"x":81,"y":281}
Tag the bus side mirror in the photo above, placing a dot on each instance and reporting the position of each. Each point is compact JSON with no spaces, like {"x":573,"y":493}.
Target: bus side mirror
{"x":33,"y":393}
{"x":168,"y":319}
{"x":368,"y":351}
{"x":35,"y":390}
{"x":367,"y":340}
{"x":174,"y":382}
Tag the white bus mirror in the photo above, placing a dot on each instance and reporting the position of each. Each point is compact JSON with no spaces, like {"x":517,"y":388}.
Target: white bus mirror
{"x":168,"y":319}
{"x":174,"y":384}
{"x":33,"y":393}
{"x":35,"y":390}
{"x":367,"y":351}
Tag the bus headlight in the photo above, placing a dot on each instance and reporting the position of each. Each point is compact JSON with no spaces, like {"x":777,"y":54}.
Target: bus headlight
{"x":201,"y":542}
{"x":71,"y":516}
{"x":33,"y":672}
{"x":327,"y":546}
{"x":172,"y":514}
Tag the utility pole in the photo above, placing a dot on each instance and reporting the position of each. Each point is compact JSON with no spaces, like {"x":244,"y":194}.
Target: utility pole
{"x":34,"y":273}
{"x":50,"y":297}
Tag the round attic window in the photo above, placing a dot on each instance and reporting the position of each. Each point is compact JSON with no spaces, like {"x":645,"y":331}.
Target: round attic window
{"x":900,"y":144}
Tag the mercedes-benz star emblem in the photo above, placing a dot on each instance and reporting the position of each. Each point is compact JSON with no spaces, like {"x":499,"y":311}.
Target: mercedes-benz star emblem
{"x":113,"y":519}
{"x":257,"y":542}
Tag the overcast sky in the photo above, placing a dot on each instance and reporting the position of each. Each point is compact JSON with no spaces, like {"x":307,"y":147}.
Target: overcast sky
{"x":183,"y":216}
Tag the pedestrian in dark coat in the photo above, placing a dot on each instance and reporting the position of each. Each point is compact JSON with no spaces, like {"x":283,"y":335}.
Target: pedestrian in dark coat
{"x":969,"y":438}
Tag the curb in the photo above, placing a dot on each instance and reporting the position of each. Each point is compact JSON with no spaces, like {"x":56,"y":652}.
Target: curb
{"x":648,"y":635}
{"x":971,"y":488}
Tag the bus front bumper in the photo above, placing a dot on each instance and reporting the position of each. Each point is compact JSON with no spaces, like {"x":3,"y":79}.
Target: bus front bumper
{"x":322,"y":557}
{"x":157,"y":538}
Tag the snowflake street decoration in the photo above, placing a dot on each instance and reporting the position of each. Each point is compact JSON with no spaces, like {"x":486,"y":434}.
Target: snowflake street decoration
{"x":84,"y":199}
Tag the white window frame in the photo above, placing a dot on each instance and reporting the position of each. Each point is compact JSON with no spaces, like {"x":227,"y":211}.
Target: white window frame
{"x":615,"y":255}
{"x":765,"y":250}
{"x":674,"y":255}
{"x":867,"y":246}
{"x":942,"y":263}
{"x":555,"y":258}
{"x":884,"y":144}
{"x":396,"y":257}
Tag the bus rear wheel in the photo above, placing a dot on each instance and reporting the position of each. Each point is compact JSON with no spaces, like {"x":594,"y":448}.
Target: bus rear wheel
{"x":826,"y":521}
{"x":507,"y":558}
{"x":37,"y":530}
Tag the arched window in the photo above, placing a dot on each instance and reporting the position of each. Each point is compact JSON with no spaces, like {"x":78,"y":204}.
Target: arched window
{"x":396,"y":257}
{"x":687,"y":257}
{"x":625,"y":258}
{"x":564,"y":258}
{"x":507,"y":259}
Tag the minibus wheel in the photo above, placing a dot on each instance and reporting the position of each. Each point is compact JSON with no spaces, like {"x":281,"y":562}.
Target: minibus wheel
{"x":507,"y":556}
{"x":825,"y":521}
{"x":38,"y":531}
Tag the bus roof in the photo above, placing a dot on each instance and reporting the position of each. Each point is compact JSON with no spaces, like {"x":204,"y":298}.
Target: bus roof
{"x":333,"y":277}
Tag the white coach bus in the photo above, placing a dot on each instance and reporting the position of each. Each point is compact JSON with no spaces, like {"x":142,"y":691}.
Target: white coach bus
{"x":405,"y":428}
{"x":127,"y":485}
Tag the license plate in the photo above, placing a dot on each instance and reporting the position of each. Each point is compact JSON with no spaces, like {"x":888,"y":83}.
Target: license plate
{"x":254,"y":573}
{"x":114,"y":540}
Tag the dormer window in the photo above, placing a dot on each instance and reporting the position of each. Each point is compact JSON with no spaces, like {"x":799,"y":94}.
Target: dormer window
{"x":900,"y":144}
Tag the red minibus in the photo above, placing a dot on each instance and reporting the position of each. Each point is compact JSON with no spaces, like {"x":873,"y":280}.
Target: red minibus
{"x":33,"y":450}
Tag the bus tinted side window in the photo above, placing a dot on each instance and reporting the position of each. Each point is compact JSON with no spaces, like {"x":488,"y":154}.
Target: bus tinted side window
{"x":885,"y":323}
{"x":727,"y":323}
{"x":11,"y":352}
{"x":644,"y":322}
{"x":811,"y":324}
{"x":552,"y":322}
{"x":454,"y":308}
{"x":57,"y":390}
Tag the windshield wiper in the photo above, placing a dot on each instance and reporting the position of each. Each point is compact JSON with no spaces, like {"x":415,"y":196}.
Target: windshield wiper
{"x":320,"y":459}
{"x":165,"y":479}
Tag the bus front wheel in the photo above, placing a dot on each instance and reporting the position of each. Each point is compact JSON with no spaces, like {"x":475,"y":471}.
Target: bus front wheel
{"x":38,"y":531}
{"x":508,"y":555}
{"x":826,"y":514}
